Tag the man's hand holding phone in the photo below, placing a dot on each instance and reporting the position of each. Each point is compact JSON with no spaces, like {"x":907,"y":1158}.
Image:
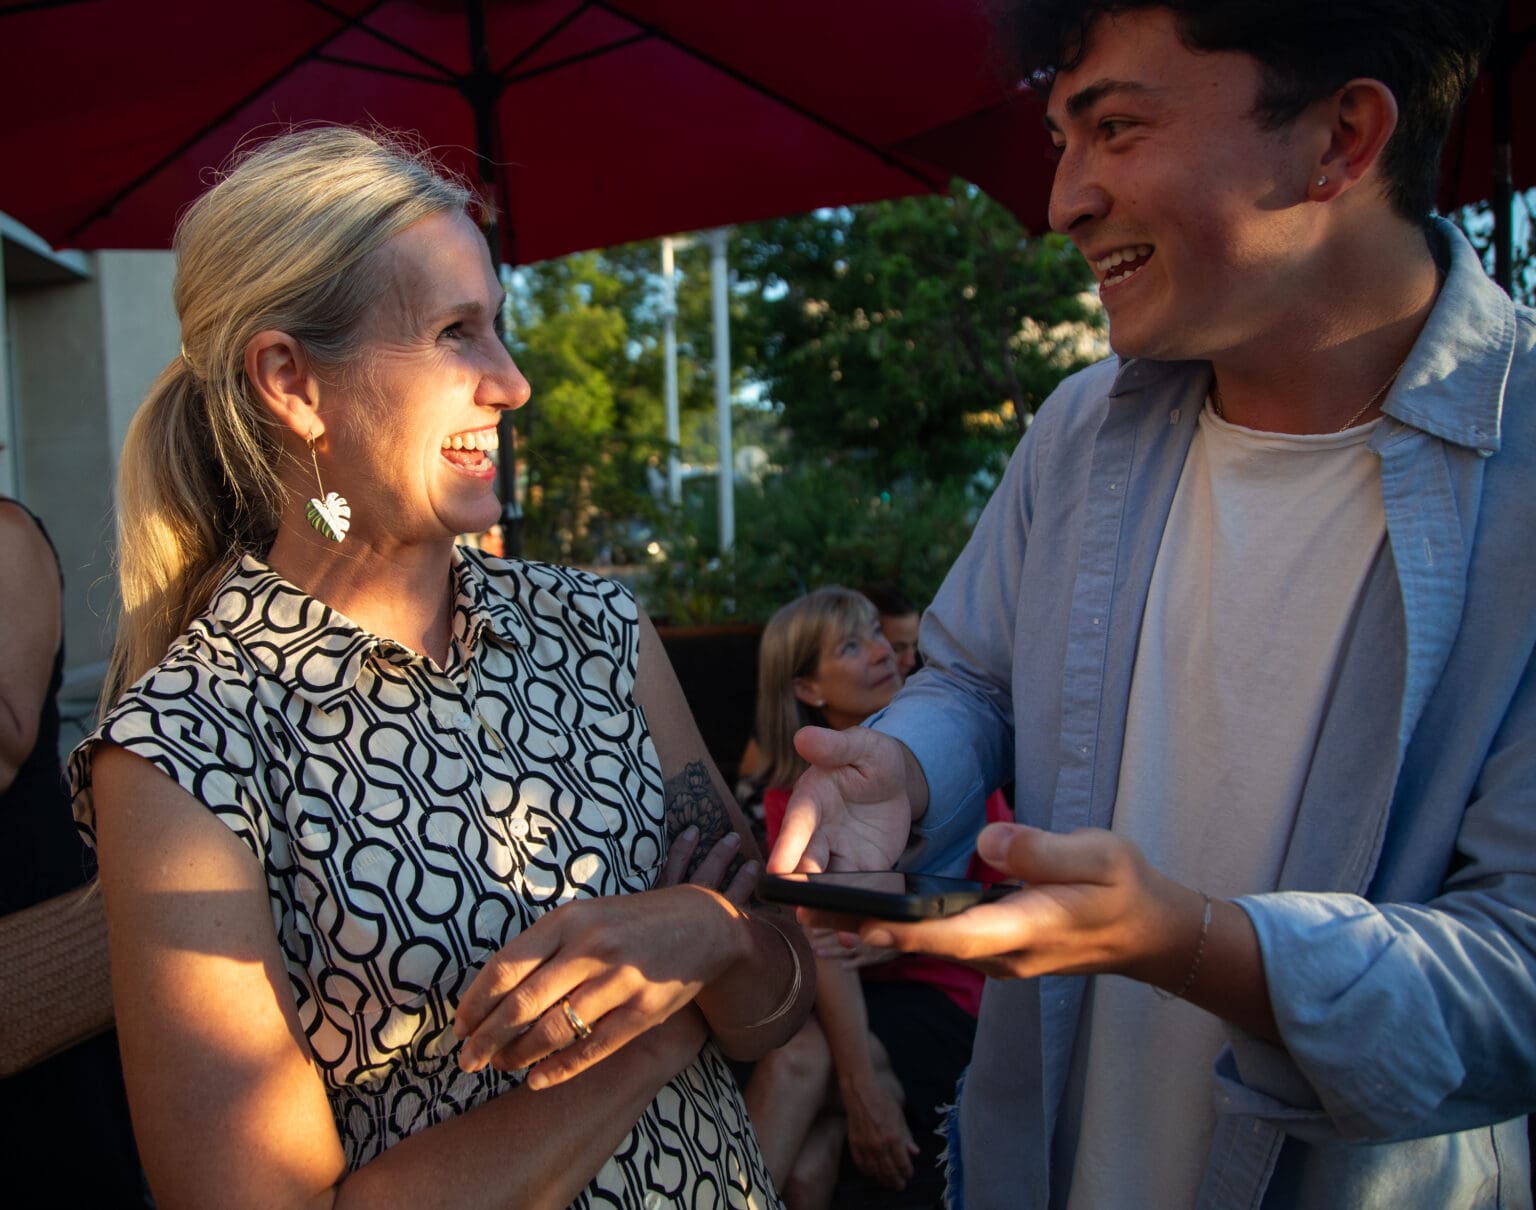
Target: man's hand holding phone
{"x":1090,"y":902}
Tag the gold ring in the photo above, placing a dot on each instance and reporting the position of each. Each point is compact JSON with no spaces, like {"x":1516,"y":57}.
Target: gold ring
{"x":582,"y":1029}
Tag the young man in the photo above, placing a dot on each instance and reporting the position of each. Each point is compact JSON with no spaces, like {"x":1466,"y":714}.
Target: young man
{"x":1251,"y":620}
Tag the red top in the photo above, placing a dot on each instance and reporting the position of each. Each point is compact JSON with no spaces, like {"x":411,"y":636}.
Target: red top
{"x":962,"y":984}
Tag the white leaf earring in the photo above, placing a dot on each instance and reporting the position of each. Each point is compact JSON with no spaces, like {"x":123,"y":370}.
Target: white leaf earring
{"x":330,"y":514}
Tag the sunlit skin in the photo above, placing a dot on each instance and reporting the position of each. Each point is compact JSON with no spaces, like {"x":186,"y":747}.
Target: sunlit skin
{"x":855,"y":676}
{"x":900,"y":632}
{"x":432,"y":371}
{"x":437,"y":369}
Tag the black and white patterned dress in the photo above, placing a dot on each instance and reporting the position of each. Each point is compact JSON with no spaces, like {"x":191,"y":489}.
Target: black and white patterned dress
{"x":411,"y":819}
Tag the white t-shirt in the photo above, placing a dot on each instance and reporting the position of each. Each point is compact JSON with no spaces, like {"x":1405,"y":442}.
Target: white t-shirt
{"x":1266,"y":550}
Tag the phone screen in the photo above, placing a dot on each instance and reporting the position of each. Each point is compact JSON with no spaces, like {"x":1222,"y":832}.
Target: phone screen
{"x":886,"y":894}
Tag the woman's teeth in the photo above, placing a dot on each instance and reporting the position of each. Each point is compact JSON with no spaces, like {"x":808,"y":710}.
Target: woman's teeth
{"x":484,"y":440}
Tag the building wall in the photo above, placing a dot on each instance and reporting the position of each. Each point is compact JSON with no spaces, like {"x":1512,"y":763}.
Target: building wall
{"x":83,"y":351}
{"x":65,"y":466}
{"x":8,"y":438}
{"x":140,"y":329}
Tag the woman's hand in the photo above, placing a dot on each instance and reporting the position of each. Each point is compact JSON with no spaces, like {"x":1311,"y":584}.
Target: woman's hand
{"x":593,"y":974}
{"x":847,"y":949}
{"x":713,"y":868}
{"x":878,"y":1138}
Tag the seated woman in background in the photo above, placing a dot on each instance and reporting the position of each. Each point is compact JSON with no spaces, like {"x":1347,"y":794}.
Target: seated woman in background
{"x":882,"y":1052}
{"x":383,"y":821}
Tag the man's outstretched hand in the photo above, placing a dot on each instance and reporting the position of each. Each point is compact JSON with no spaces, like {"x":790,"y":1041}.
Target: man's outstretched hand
{"x":853,"y":808}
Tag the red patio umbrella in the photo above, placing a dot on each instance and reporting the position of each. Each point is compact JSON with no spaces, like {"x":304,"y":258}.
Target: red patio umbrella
{"x":1490,"y":151}
{"x":589,"y":122}
{"x":600,"y":121}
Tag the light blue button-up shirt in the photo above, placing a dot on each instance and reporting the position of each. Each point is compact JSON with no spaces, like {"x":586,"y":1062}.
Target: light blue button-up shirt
{"x":1400,"y":949}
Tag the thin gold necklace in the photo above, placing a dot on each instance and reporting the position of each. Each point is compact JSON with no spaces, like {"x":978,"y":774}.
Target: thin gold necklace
{"x":1348,"y":424}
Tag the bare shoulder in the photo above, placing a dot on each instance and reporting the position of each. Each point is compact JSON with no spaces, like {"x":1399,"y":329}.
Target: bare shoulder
{"x":162,"y":850}
{"x":23,"y":548}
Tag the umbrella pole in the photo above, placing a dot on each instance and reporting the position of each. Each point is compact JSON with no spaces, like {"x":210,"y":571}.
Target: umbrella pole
{"x":719,"y":272}
{"x":482,"y":90}
{"x":669,"y":372}
{"x":1501,"y":71}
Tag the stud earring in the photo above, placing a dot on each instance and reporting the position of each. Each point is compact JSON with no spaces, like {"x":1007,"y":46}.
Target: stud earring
{"x":329,"y":514}
{"x":1321,"y":181}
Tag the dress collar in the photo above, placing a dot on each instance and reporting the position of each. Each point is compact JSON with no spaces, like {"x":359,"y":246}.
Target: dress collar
{"x":321,"y":652}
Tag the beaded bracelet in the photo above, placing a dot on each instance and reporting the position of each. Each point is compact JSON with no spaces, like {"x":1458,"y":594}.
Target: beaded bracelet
{"x":794,"y":982}
{"x":1194,"y":966}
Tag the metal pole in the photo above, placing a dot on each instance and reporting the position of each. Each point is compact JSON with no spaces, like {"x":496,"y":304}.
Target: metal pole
{"x":719,"y":271}
{"x":669,"y":359}
{"x":482,"y":90}
{"x":1501,"y":71}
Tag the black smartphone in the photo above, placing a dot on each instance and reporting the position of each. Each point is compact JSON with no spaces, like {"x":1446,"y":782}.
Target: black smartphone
{"x":885,"y":894}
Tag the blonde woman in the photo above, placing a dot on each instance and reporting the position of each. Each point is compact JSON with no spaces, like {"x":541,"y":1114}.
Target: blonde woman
{"x":890,"y":1035}
{"x":383,"y":822}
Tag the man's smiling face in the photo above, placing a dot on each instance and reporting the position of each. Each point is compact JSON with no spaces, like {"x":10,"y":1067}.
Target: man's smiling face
{"x":1191,"y":214}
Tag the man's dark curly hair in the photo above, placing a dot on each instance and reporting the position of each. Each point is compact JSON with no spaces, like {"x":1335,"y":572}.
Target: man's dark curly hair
{"x":1426,"y":51}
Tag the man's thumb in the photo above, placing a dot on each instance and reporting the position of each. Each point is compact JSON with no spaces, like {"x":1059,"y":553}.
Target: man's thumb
{"x":823,"y":746}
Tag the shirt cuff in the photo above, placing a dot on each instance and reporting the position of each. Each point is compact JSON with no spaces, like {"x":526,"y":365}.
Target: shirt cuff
{"x":944,"y":840}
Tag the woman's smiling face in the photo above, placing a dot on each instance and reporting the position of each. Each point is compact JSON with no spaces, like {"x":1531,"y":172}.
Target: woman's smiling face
{"x":409,"y":435}
{"x":855,"y":676}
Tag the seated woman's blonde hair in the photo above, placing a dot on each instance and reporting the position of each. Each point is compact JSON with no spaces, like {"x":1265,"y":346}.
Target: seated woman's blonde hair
{"x":791,"y":647}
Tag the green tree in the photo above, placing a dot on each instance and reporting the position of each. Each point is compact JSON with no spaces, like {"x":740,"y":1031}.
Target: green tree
{"x":899,"y":345}
{"x":586,"y":329}
{"x":911,"y":336}
{"x":805,"y":527}
{"x":568,"y":336}
{"x":1477,"y":223}
{"x":887,"y":354}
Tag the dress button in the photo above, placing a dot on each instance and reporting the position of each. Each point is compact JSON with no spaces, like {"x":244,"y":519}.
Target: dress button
{"x":461,"y":721}
{"x":519,"y":827}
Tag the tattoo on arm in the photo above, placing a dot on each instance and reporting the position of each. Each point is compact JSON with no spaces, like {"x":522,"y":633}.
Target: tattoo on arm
{"x":691,"y":798}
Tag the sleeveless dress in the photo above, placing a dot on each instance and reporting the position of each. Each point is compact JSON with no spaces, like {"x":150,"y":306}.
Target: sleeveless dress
{"x":411,"y":819}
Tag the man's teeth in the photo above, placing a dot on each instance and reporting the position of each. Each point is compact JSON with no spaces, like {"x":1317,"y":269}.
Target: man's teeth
{"x":1133,"y":257}
{"x":484,"y":440}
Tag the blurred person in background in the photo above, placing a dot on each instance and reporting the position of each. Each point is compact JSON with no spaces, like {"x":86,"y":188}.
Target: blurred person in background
{"x":62,"y":1102}
{"x":899,"y":622}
